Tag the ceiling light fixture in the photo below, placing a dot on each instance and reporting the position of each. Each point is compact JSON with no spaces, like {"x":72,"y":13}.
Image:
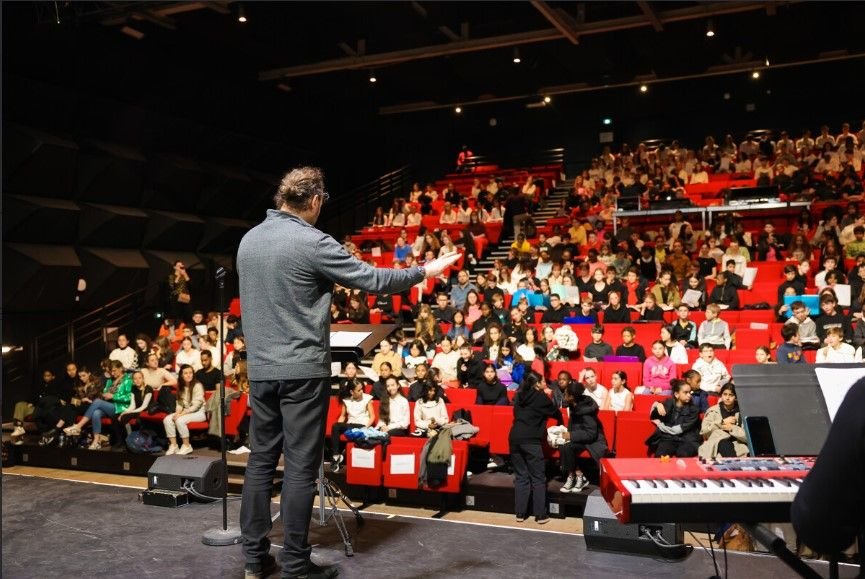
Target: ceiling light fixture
{"x":372,"y":77}
{"x":608,"y":121}
{"x":241,"y":14}
{"x":517,"y":58}
{"x":767,"y":62}
{"x":458,"y":110}
{"x":755,"y":74}
{"x":547,"y":100}
{"x":644,"y":88}
{"x":710,"y":31}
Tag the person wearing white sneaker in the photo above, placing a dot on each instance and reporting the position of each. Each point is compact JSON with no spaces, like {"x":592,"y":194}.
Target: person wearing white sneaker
{"x":532,"y":408}
{"x":116,"y":397}
{"x":190,"y":408}
{"x":584,"y":433}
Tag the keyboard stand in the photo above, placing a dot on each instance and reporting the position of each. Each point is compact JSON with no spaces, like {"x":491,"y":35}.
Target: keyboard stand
{"x":777,"y":547}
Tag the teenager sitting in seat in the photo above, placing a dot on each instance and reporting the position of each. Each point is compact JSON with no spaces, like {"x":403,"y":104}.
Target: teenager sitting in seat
{"x":677,"y":424}
{"x":620,"y":397}
{"x":355,"y":412}
{"x":446,"y":360}
{"x":142,"y":394}
{"x":470,"y":367}
{"x":807,"y":328}
{"x":722,"y":428}
{"x":675,"y":350}
{"x":190,"y":408}
{"x":584,"y":433}
{"x":589,"y":379}
{"x":714,"y":330}
{"x":491,"y":390}
{"x":394,"y":415}
{"x":430,"y":412}
{"x":683,"y":329}
{"x":724,"y":294}
{"x":649,"y":310}
{"x":836,"y":351}
{"x":628,"y":347}
{"x":187,"y":356}
{"x":658,"y":370}
{"x":714,"y":373}
{"x":116,"y":397}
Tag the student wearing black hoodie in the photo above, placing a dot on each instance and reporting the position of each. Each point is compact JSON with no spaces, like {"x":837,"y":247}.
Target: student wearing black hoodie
{"x":532,"y":408}
{"x":491,"y":391}
{"x":584,"y":433}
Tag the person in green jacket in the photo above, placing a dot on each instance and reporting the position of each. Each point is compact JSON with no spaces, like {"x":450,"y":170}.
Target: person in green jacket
{"x":116,"y":397}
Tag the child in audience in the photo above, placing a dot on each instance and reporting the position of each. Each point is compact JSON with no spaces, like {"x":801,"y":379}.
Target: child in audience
{"x":699,"y":397}
{"x":807,"y":328}
{"x":712,"y":370}
{"x":650,"y":311}
{"x":619,"y":397}
{"x":714,"y":330}
{"x":658,"y":370}
{"x":491,"y":391}
{"x":446,"y":360}
{"x":142,"y":394}
{"x":355,"y":412}
{"x":416,"y":355}
{"x":684,"y":330}
{"x":394,"y":415}
{"x":430,"y":413}
{"x":585,"y":432}
{"x":675,"y":350}
{"x":763,"y":355}
{"x":790,"y":352}
{"x":677,"y":424}
{"x":189,"y":408}
{"x":836,"y":351}
{"x":724,"y":294}
{"x":628,"y":347}
{"x":722,"y":428}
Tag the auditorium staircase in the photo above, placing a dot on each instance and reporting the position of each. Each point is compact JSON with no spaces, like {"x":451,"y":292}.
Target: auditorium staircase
{"x":540,"y":217}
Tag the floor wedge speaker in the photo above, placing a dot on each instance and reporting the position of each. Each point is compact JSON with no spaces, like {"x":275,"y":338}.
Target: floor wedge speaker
{"x":175,"y":473}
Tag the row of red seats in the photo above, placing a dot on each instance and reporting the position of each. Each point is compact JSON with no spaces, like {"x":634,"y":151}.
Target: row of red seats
{"x":237,"y":410}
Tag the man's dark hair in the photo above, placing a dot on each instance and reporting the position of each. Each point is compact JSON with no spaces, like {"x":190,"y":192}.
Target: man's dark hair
{"x":298,"y":187}
{"x":858,"y":229}
{"x":731,"y":262}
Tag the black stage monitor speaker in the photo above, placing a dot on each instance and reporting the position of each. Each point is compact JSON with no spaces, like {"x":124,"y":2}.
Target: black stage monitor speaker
{"x":174,"y":472}
{"x":604,"y":532}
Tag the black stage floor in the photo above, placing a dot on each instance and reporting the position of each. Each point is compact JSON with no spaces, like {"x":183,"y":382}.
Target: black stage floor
{"x":55,"y":528}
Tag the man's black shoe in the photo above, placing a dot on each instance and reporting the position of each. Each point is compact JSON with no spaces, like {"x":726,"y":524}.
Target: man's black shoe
{"x":264,"y":568}
{"x":313,"y":571}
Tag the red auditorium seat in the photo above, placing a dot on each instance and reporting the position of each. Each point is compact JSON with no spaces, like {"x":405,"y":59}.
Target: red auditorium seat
{"x":364,"y":470}
{"x":503,"y":418}
{"x":750,"y":340}
{"x":643,"y":403}
{"x":632,"y":430}
{"x":404,"y":448}
{"x":461,"y":398}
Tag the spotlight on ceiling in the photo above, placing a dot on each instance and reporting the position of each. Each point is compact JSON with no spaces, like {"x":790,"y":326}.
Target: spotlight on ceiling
{"x":608,"y":121}
{"x":517,"y":58}
{"x":644,"y":88}
{"x":547,"y":100}
{"x":372,"y":77}
{"x":710,"y":31}
{"x":241,"y":14}
{"x":767,"y":62}
{"x":458,"y":110}
{"x":755,"y":74}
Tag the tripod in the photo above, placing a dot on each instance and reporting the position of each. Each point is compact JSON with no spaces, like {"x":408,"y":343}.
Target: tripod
{"x":329,"y":497}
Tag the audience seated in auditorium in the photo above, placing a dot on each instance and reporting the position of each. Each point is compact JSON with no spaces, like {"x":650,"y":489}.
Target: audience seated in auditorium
{"x":713,"y":372}
{"x":836,"y":351}
{"x":355,"y":412}
{"x":393,"y":417}
{"x":658,"y":370}
{"x":721,"y":429}
{"x":430,"y":412}
{"x":677,"y":424}
{"x":115,"y":398}
{"x":585,"y":432}
{"x":628,"y":347}
{"x":190,"y":408}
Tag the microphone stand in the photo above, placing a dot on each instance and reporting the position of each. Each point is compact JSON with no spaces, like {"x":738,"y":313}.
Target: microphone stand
{"x":222,"y":537}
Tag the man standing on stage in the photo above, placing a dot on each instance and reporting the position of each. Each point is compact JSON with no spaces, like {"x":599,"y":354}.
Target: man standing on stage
{"x":287,"y":270}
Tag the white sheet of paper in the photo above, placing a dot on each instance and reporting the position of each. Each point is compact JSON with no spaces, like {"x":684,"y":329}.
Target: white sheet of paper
{"x":692,"y":298}
{"x":835,"y":382}
{"x":573,"y":295}
{"x":749,"y":276}
{"x":402,"y":464}
{"x":335,"y":369}
{"x":201,"y":329}
{"x":758,"y":326}
{"x":362,"y":458}
{"x":369,"y":373}
{"x":842,"y":291}
{"x":452,"y":465}
{"x":479,"y":334}
{"x":343,"y":339}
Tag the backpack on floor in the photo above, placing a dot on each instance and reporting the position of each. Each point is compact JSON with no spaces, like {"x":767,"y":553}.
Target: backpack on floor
{"x":143,"y":442}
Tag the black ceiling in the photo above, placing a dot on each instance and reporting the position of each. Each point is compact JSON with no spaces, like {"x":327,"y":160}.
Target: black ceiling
{"x":206,"y":68}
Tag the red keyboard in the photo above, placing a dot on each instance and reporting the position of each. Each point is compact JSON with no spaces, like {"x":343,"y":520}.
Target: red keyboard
{"x":688,"y":490}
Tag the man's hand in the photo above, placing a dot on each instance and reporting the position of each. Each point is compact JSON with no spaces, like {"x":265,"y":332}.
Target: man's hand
{"x":437,"y":266}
